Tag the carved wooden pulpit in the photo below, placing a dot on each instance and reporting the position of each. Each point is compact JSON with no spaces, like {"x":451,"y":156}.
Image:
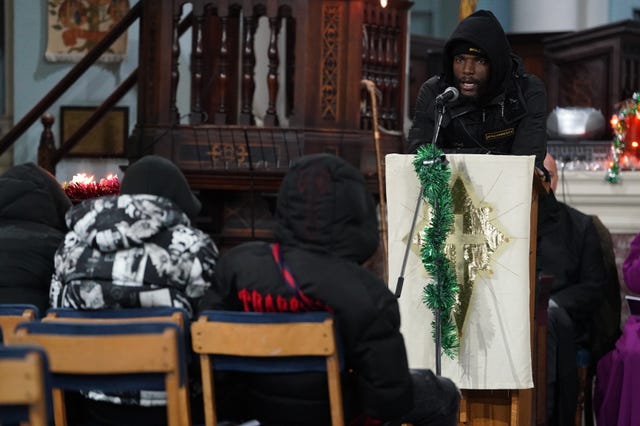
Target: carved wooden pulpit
{"x":244,"y":127}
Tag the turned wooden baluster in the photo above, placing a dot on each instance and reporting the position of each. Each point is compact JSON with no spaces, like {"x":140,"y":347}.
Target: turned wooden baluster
{"x":271,"y":116}
{"x":290,"y":38}
{"x":376,"y":56}
{"x":196,"y":115}
{"x":223,"y":67}
{"x":395,"y":76}
{"x":366,"y":36}
{"x":248,"y":65}
{"x":365,"y":113}
{"x":175,"y":54}
{"x":47,"y":147}
{"x":372,"y":57}
{"x":378,"y":77}
{"x":373,"y":41}
{"x":385,"y":68}
{"x":388,"y":93}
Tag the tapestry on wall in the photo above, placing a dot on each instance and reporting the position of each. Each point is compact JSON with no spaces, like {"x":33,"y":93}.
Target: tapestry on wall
{"x":489,"y":248}
{"x":75,"y":26}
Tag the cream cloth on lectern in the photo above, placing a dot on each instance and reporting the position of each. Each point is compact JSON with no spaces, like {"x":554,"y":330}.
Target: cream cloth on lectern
{"x":494,"y":343}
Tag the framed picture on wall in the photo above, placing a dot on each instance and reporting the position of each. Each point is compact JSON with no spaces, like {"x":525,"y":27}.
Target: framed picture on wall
{"x":106,"y":139}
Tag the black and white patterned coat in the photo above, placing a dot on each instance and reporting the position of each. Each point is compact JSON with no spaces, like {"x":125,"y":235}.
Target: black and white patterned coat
{"x":131,"y":251}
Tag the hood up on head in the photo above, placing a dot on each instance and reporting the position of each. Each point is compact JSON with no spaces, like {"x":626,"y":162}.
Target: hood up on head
{"x":483,"y":30}
{"x":324,"y":205}
{"x":30,"y":193}
{"x":157,"y":175}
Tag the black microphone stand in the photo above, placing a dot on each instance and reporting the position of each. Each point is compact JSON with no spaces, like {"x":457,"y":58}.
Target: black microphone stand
{"x":442,"y":159}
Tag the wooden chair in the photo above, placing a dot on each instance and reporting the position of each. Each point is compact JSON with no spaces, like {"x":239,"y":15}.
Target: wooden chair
{"x":256,"y":342}
{"x":11,"y":314}
{"x":178,"y":316}
{"x":25,"y":392}
{"x":113,"y":358}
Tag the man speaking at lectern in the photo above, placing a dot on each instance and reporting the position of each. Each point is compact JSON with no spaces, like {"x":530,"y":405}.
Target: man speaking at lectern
{"x":501,"y":109}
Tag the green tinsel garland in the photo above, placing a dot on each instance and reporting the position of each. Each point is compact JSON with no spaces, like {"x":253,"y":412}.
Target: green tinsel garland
{"x":441,"y":292}
{"x":619,"y":123}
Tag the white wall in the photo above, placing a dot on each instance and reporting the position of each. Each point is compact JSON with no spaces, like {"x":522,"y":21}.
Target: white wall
{"x":568,"y":15}
{"x":521,"y":16}
{"x":544,"y":15}
{"x":622,"y":9}
{"x":596,"y":13}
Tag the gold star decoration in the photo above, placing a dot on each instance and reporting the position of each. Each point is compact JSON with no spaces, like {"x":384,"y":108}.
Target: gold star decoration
{"x":476,"y":240}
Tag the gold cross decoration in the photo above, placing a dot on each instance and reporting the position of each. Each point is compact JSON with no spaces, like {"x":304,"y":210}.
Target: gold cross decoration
{"x":476,"y":240}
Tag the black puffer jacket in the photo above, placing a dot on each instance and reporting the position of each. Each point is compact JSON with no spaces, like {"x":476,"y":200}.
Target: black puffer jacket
{"x":569,"y":249}
{"x":510,"y":118}
{"x":32,"y":209}
{"x":327,"y":225}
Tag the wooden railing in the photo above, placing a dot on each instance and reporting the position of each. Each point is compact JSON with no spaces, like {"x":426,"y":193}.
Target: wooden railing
{"x":329,"y":47}
{"x":316,"y":53}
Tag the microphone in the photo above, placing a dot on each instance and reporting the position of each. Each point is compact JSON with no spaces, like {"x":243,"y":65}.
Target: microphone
{"x":450,"y":94}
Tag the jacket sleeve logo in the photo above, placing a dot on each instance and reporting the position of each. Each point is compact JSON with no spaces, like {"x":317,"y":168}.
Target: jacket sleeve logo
{"x":500,"y":134}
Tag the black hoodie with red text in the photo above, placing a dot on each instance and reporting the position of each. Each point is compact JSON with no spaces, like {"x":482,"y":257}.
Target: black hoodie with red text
{"x":326,"y":227}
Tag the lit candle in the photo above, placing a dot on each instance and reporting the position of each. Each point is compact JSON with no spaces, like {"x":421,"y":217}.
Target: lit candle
{"x":83,"y":186}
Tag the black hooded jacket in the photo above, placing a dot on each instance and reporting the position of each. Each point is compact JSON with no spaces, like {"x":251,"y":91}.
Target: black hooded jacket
{"x":326,"y":226}
{"x":509,"y":118}
{"x":32,"y":209}
{"x":569,"y":249}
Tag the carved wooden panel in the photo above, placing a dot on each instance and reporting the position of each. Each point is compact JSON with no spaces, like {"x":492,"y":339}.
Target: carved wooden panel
{"x":597,"y":67}
{"x":332,"y":15}
{"x":317,"y":47}
{"x":584,"y":82}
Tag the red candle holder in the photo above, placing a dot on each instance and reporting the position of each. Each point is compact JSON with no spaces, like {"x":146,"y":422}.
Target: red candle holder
{"x":83,"y":186}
